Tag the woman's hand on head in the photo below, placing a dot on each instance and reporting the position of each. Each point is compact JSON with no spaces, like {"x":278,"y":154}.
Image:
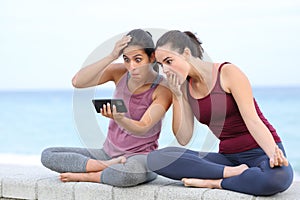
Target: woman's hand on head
{"x":106,"y":111}
{"x":119,"y":46}
{"x":278,"y":158}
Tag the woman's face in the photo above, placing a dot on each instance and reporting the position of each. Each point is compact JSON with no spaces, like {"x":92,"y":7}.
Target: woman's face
{"x":136,"y":61}
{"x":172,"y":63}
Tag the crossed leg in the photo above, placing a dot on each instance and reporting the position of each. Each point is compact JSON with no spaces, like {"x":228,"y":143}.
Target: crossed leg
{"x":215,"y":183}
{"x":93,"y":170}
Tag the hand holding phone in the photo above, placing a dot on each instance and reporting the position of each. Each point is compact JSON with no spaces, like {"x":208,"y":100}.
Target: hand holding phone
{"x":119,"y":103}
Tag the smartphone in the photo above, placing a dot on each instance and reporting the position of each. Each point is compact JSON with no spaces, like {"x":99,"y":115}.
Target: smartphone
{"x":119,"y":103}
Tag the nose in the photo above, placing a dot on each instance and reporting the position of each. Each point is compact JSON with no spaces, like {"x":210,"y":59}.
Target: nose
{"x":165,"y":69}
{"x":131,"y":66}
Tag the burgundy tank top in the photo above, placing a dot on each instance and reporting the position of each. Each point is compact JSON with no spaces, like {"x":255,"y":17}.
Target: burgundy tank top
{"x":219,"y":111}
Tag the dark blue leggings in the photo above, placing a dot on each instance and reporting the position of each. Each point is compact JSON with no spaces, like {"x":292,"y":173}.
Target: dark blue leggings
{"x":259,"y":179}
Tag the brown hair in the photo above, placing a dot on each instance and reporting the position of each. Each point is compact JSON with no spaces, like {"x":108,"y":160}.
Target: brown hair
{"x":180,"y":40}
{"x":144,"y":40}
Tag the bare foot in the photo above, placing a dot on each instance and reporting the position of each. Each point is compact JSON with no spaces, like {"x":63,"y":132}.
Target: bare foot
{"x":234,"y":171}
{"x":202,"y":183}
{"x":118,"y":160}
{"x":99,"y":165}
{"x":80,"y":177}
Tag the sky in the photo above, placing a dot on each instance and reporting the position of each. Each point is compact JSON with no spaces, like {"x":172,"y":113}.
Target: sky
{"x":43,"y":43}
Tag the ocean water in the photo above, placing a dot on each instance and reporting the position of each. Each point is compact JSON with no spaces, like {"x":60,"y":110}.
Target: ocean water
{"x":31,"y":121}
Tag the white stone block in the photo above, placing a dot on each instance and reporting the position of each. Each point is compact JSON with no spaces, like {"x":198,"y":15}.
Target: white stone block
{"x":53,"y":188}
{"x":216,"y":194}
{"x":20,"y":181}
{"x":97,"y":191}
{"x":0,"y":187}
{"x":177,"y":191}
{"x":19,"y":186}
{"x":293,"y":193}
{"x":146,"y":191}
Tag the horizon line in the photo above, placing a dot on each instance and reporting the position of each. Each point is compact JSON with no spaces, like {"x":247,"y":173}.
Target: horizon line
{"x":108,"y":88}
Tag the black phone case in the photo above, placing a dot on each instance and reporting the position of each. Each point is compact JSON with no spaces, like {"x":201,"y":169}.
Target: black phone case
{"x":119,"y":103}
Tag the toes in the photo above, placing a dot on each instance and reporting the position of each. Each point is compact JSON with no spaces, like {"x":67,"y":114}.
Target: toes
{"x":186,"y":181}
{"x":63,"y":177}
{"x":123,"y":160}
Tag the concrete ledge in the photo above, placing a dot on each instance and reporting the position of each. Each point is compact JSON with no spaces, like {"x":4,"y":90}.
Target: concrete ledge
{"x":37,"y":182}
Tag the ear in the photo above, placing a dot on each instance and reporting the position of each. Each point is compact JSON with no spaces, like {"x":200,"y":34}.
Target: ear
{"x":152,"y":57}
{"x":187,"y":53}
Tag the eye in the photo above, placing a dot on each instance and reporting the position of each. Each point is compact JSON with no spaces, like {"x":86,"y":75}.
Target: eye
{"x":169,"y":61}
{"x":126,"y":59}
{"x":138,"y":60}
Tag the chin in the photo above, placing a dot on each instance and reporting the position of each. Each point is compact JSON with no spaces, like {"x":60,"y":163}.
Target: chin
{"x":136,"y":77}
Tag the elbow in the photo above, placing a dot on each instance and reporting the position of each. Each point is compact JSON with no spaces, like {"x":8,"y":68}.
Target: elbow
{"x":182,"y":142}
{"x":142,"y":131}
{"x":182,"y":139}
{"x":142,"y":128}
{"x":75,"y":82}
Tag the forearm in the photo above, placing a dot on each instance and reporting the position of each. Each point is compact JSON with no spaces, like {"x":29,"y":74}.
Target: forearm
{"x":91,"y":74}
{"x":183,"y":121}
{"x":263,"y":137}
{"x":135,"y":127}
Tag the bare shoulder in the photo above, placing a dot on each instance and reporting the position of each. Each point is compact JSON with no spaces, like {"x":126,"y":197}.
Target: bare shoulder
{"x":163,"y":82}
{"x":117,"y":70}
{"x":231,"y":75}
{"x":117,"y":67}
{"x":230,"y":68}
{"x":162,"y":91}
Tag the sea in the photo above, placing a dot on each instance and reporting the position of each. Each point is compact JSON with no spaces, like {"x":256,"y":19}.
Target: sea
{"x":32,"y":120}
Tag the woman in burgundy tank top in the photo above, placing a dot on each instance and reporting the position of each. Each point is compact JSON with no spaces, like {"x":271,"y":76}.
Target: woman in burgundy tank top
{"x":251,"y":157}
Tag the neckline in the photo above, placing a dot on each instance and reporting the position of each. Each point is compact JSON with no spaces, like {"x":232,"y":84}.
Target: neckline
{"x":216,"y":66}
{"x":154,"y":83}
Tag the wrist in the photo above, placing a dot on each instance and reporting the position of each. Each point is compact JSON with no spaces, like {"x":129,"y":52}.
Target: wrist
{"x":177,"y":95}
{"x":118,"y":117}
{"x":112,"y":57}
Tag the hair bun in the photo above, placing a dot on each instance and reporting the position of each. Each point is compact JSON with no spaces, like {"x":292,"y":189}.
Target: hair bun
{"x":193,"y":37}
{"x":149,"y":33}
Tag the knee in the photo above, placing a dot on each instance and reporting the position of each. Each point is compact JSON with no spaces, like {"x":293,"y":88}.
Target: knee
{"x":282,"y":179}
{"x":158,"y":160}
{"x":45,"y":157}
{"x":133,"y":179}
{"x":153,"y":159}
{"x":125,"y":179}
{"x":279,"y":181}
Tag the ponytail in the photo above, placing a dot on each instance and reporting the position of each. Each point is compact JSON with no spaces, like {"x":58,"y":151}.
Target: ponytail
{"x":180,"y":40}
{"x":194,"y":39}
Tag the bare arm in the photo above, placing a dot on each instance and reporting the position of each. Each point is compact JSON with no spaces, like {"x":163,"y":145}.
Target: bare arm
{"x":162,"y":100}
{"x":101,"y":71}
{"x":183,"y":117}
{"x":235,"y":82}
